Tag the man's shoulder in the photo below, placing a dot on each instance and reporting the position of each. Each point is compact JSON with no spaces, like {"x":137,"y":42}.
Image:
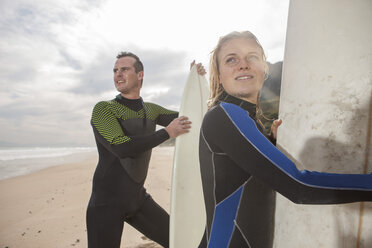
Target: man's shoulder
{"x":151,"y":104}
{"x":157,"y":107}
{"x":109,"y":105}
{"x":106,"y":103}
{"x":154,"y":110}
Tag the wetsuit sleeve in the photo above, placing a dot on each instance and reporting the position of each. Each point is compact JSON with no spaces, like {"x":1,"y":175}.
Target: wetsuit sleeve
{"x":110,"y":134}
{"x":236,"y":136}
{"x":271,"y":138}
{"x":164,"y":116}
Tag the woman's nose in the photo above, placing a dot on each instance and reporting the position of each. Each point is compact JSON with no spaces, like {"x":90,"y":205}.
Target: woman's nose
{"x":244,"y":65}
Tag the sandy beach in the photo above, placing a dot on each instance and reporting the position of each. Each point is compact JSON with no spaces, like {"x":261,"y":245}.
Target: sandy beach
{"x":47,"y":208}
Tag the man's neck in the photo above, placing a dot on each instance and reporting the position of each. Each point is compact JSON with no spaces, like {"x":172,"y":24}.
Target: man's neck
{"x":131,"y":96}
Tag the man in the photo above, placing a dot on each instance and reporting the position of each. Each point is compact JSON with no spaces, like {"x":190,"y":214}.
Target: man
{"x":124,"y":129}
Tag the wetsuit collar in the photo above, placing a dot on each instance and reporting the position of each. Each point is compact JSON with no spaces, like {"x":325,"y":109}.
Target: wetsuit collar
{"x":119,"y":96}
{"x":248,"y":106}
{"x":134,"y":104}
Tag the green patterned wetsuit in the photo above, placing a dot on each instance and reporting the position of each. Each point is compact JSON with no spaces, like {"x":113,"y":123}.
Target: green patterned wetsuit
{"x":125,"y":133}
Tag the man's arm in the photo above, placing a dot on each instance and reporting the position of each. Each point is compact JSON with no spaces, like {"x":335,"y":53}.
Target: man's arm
{"x":161,"y":115}
{"x":168,"y":118}
{"x":110,"y":134}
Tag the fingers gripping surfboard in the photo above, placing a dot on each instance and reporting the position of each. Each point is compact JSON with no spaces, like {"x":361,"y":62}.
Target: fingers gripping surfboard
{"x":187,"y":215}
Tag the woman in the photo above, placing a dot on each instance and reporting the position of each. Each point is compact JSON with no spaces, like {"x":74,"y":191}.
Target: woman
{"x":240,"y":168}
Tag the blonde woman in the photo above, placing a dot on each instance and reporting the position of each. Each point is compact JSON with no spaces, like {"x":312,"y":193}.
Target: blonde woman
{"x":241,"y":169}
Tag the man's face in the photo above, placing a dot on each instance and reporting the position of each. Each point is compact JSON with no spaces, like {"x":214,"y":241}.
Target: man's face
{"x":127,"y":80}
{"x":242,"y":68}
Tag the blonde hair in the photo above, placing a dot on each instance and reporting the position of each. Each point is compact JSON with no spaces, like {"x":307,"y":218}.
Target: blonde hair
{"x":216,"y":88}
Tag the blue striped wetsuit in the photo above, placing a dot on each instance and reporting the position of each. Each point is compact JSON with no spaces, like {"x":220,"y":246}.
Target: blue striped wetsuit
{"x":241,"y":170}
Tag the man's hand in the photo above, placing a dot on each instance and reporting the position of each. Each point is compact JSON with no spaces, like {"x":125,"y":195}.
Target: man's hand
{"x":274,"y":128}
{"x":199,"y":68}
{"x":178,"y":126}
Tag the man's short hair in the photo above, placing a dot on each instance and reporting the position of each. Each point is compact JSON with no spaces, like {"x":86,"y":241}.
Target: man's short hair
{"x":138,"y":66}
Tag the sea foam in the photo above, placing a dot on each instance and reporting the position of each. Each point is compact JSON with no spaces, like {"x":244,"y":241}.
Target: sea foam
{"x":16,"y":161}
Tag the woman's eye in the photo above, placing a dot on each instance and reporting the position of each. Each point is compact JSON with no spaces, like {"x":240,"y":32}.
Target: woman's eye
{"x":254,"y":57}
{"x":231,"y":61}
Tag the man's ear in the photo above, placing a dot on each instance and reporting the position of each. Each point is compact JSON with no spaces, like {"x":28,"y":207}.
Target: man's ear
{"x":140,"y":75}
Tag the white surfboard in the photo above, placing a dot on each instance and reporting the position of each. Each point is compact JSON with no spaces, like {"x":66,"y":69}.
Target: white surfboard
{"x":325,"y":104}
{"x":187,"y":215}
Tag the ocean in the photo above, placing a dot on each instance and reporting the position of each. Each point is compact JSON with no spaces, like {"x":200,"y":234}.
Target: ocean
{"x":16,"y":161}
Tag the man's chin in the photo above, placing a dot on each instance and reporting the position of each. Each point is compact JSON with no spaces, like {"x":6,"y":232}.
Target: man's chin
{"x":124,"y":91}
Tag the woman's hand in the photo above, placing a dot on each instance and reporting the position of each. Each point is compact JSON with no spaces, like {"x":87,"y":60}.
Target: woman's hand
{"x":274,"y":128}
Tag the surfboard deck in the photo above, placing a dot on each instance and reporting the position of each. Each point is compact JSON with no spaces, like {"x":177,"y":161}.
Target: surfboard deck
{"x":187,"y":215}
{"x":325,"y":105}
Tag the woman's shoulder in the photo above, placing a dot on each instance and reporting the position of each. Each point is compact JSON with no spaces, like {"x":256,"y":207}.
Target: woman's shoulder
{"x":220,"y":108}
{"x":213,"y":114}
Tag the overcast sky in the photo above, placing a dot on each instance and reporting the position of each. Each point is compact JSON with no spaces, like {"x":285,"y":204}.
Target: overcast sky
{"x":57,"y":56}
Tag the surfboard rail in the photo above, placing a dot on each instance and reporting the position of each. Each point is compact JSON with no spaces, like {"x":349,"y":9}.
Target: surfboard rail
{"x":187,"y":215}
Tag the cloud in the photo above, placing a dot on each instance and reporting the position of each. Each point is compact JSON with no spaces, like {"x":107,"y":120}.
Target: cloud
{"x":165,"y":75}
{"x":37,"y":72}
{"x":48,"y":88}
{"x":57,"y":57}
{"x":166,"y":71}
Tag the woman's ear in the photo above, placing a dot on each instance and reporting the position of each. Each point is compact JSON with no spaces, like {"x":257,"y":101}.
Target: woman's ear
{"x":266,"y":68}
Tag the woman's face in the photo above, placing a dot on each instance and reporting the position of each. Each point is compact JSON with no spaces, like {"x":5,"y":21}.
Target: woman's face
{"x":242,"y":68}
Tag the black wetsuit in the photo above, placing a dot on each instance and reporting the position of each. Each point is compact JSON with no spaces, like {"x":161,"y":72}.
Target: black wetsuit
{"x":241,"y":170}
{"x":125,"y":133}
